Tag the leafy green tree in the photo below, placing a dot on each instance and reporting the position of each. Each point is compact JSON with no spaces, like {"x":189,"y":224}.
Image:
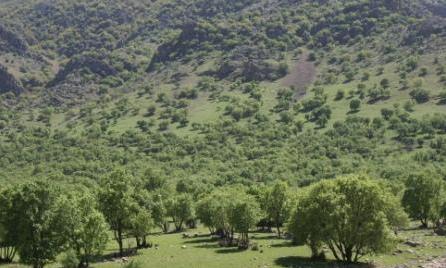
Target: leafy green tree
{"x":230,"y":210}
{"x":277,"y":204}
{"x":423,"y":71}
{"x":365,"y":76}
{"x":153,"y":179}
{"x":34,"y":222}
{"x":140,"y":226}
{"x":244,"y":213}
{"x":320,"y":115}
{"x":160,"y":210}
{"x":420,"y":95}
{"x":423,"y":197}
{"x":181,"y":209}
{"x":86,"y":227}
{"x":206,"y":210}
{"x":355,"y":105}
{"x":118,"y":204}
{"x":7,"y":235}
{"x":340,"y":94}
{"x":349,"y":215}
{"x":385,"y":83}
{"x":387,"y":113}
{"x":212,"y":210}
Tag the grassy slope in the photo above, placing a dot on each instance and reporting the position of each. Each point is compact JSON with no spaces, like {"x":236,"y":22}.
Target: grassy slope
{"x":202,"y":109}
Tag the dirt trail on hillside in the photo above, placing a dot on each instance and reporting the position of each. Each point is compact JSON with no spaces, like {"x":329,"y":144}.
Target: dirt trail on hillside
{"x":300,"y":76}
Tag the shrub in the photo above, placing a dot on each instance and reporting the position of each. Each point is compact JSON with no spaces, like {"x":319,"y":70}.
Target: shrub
{"x":385,"y":83}
{"x":420,"y":95}
{"x":355,"y":105}
{"x":69,"y":260}
{"x":408,"y":106}
{"x":163,"y":125}
{"x":423,"y":71}
{"x":340,"y":95}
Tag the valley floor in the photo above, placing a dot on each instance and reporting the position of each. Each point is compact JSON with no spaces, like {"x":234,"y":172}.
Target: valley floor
{"x":204,"y":252}
{"x":417,"y":248}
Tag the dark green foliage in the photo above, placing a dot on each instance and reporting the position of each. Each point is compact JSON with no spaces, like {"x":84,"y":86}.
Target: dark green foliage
{"x":385,"y":83}
{"x":355,"y":105}
{"x":33,"y":222}
{"x":86,"y":228}
{"x":351,"y":216}
{"x":340,"y":95}
{"x":420,"y":95}
{"x":424,"y":197}
{"x":117,"y":203}
{"x":180,"y":209}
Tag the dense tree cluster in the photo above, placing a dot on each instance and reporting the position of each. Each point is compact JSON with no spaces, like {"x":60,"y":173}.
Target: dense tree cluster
{"x":353,"y":216}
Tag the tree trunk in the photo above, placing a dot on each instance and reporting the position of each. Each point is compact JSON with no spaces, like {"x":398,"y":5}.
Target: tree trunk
{"x":424,"y":223}
{"x":179,"y":226}
{"x":348,"y":254}
{"x":144,"y":241}
{"x":278,"y":229}
{"x":138,"y":242}
{"x":333,"y":250}
{"x":121,"y":251}
{"x":165,"y":227}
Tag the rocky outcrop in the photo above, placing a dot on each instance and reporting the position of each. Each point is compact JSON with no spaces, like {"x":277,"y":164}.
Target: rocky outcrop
{"x":423,"y":30}
{"x":95,"y":65}
{"x":435,"y":7}
{"x":8,"y":83}
{"x":10,"y":41}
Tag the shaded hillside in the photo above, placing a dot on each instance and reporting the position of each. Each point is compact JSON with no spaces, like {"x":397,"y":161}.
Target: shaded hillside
{"x":8,"y":83}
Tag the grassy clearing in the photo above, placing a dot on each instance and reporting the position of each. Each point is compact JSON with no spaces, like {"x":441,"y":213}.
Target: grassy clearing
{"x":203,"y":251}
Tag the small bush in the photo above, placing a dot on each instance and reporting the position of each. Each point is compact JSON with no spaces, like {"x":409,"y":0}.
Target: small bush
{"x":69,"y":260}
{"x":420,"y":95}
{"x":423,"y":71}
{"x":355,"y":105}
{"x":340,"y":95}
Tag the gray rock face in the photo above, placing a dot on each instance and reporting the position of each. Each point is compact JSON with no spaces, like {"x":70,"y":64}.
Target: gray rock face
{"x":96,"y":66}
{"x":8,"y":83}
{"x":9,"y":41}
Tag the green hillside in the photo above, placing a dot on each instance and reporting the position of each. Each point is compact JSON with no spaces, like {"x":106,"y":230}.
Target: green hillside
{"x":130,"y":81}
{"x":204,"y":94}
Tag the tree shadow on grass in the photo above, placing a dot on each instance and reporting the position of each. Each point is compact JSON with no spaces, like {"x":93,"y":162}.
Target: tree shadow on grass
{"x":269,"y":237}
{"x":301,"y":262}
{"x":198,"y":241}
{"x":229,"y":250}
{"x":353,"y":112}
{"x":207,"y":246}
{"x":283,"y":245}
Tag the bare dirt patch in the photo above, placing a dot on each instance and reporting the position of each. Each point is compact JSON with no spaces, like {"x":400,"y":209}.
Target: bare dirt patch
{"x":301,"y":75}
